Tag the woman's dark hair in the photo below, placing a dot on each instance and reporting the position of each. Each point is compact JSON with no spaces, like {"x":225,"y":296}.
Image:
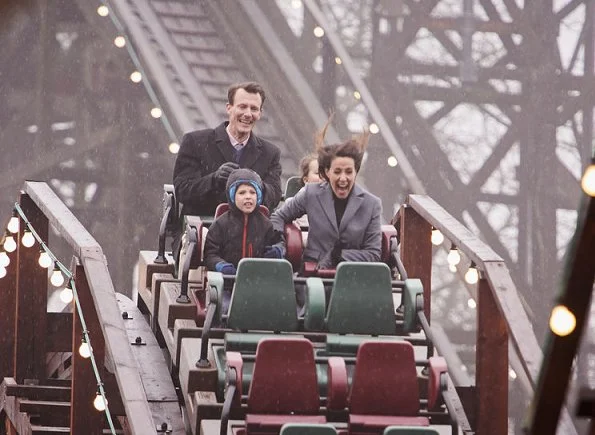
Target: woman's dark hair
{"x":305,"y":166}
{"x":250,"y":87}
{"x":354,"y":148}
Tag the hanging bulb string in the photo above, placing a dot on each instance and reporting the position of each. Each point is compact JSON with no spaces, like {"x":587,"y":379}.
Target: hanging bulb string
{"x":137,"y":63}
{"x":70,"y":280}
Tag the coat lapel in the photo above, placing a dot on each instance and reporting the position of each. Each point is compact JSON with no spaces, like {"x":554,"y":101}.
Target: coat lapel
{"x":325,"y":198}
{"x":353,"y":204}
{"x":223,"y":143}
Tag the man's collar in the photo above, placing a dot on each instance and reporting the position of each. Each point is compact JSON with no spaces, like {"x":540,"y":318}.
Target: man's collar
{"x":234,"y":141}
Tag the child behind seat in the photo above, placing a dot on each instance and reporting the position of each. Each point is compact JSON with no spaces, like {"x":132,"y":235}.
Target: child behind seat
{"x":242,"y":231}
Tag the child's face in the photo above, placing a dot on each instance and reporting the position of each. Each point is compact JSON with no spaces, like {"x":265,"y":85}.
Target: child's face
{"x":246,"y":198}
{"x":312,"y":176}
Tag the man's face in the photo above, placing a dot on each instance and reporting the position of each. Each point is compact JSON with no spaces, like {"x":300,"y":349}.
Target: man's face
{"x":243,"y":113}
{"x":341,"y":176}
{"x":246,"y":198}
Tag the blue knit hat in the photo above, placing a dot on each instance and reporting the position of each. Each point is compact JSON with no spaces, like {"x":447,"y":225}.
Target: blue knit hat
{"x":243,"y":176}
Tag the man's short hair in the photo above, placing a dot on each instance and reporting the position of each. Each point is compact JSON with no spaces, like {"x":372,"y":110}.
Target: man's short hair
{"x":250,"y":87}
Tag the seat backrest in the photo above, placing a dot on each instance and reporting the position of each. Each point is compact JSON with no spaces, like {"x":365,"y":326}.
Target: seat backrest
{"x":263,"y":297}
{"x":294,"y":245}
{"x":293,"y":185}
{"x":409,"y":430}
{"x":388,"y":232}
{"x":384,"y":380}
{"x":284,"y":378}
{"x":307,"y":429}
{"x":224,"y":206}
{"x":361,"y":300}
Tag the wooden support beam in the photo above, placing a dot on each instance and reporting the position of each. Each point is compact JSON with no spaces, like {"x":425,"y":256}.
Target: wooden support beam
{"x":59,"y":332}
{"x":8,"y":296}
{"x":84,"y":418}
{"x":491,"y":358}
{"x":31,"y":309}
{"x":416,"y":251}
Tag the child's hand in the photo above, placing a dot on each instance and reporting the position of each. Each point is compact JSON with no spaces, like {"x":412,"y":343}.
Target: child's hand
{"x":225,"y":268}
{"x":273,"y":252}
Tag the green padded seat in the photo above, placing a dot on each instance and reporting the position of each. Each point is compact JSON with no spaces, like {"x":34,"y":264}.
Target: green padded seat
{"x":263,"y":297}
{"x":409,"y":430}
{"x":293,"y":185}
{"x":348,"y":344}
{"x":307,"y":429}
{"x":248,"y":342}
{"x":361,"y":300}
{"x":413,"y":288}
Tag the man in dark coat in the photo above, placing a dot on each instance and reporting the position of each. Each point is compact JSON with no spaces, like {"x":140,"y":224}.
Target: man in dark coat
{"x":207,"y":157}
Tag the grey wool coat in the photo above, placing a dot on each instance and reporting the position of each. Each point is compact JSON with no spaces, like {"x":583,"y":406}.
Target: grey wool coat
{"x":360,"y":233}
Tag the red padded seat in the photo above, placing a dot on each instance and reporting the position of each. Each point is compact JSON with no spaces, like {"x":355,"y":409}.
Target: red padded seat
{"x":284,"y":387}
{"x":384,"y":390}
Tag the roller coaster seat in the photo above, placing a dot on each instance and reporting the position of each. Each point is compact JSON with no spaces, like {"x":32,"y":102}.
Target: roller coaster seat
{"x":409,"y":430}
{"x":308,"y":429}
{"x":292,"y":186}
{"x":284,"y":386}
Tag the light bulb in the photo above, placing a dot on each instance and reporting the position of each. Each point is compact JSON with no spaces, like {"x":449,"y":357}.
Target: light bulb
{"x":119,"y":41}
{"x":588,"y":180}
{"x":453,"y":257}
{"x":9,"y":244}
{"x":136,"y":77}
{"x":452,"y":268}
{"x":357,"y":95}
{"x":374,"y":129}
{"x":99,"y":403}
{"x":338,"y":60}
{"x":13,"y":224}
{"x":66,"y":295}
{"x":28,"y":239}
{"x":318,"y":32}
{"x":57,"y":279}
{"x":45,"y":260}
{"x":562,"y":321}
{"x":2,"y":272}
{"x":471,"y":303}
{"x":174,"y":147}
{"x":472,"y":275}
{"x":392,"y":161}
{"x":4,"y":259}
{"x":156,"y":112}
{"x":103,"y":11}
{"x":437,"y":237}
{"x":84,"y":349}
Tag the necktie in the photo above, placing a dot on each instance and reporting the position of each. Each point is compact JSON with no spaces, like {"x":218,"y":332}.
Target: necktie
{"x":238,"y":153}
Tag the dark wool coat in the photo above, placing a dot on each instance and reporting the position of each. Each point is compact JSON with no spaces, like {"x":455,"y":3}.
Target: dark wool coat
{"x":234,"y":235}
{"x":203,"y":151}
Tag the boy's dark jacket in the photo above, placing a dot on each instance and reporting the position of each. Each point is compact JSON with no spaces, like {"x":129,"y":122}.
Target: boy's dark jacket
{"x":225,"y":239}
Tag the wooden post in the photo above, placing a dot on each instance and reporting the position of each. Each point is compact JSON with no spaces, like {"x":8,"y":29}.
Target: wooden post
{"x":31,"y":312}
{"x":416,"y":251}
{"x":84,"y":418}
{"x":491,"y":359}
{"x":8,"y":296}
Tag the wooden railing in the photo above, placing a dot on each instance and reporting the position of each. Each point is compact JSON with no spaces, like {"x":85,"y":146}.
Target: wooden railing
{"x":29,"y":331}
{"x":501,"y":317}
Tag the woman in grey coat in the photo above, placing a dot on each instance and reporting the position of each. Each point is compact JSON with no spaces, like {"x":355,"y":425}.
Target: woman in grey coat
{"x":344,"y":219}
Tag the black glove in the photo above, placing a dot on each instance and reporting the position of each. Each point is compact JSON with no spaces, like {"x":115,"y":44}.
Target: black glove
{"x":222,"y":173}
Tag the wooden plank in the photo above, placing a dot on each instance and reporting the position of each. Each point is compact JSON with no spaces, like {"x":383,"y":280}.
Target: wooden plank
{"x":31,"y":309}
{"x":416,"y":251}
{"x":491,"y":361}
{"x":156,"y":281}
{"x":146,"y":269}
{"x":8,"y":296}
{"x":38,"y":392}
{"x":452,"y":229}
{"x":59,"y":332}
{"x":183,"y":328}
{"x":83,"y":415}
{"x":192,"y":378}
{"x":50,"y":413}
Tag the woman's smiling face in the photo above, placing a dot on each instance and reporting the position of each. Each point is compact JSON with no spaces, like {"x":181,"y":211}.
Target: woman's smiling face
{"x":341,"y":176}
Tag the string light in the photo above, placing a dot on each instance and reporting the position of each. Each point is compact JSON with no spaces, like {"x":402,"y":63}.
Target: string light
{"x":392,"y":161}
{"x":588,"y":180}
{"x":84,"y":348}
{"x":454,"y":257}
{"x":562,"y":321}
{"x":437,"y":237}
{"x":57,"y":279}
{"x":120,"y":41}
{"x":9,"y":244}
{"x":318,"y":32}
{"x":472,"y":275}
{"x":28,"y":240}
{"x":374,"y":129}
{"x":67,"y":295}
{"x":103,"y":11}
{"x":13,"y":223}
{"x":174,"y":147}
{"x":4,"y":258}
{"x":156,"y":112}
{"x":100,"y":402}
{"x":357,"y":95}
{"x":136,"y":77}
{"x":44,"y":260}
{"x":338,"y":60}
